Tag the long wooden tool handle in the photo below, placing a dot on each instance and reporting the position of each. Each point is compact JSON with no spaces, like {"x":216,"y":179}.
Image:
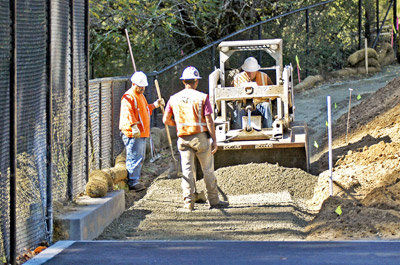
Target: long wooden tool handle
{"x":166,"y":126}
{"x":130,"y":50}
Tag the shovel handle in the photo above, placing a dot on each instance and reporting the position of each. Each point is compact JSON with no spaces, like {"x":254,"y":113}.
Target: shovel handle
{"x":166,"y":126}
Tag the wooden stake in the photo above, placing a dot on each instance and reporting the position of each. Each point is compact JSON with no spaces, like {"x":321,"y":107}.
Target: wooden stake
{"x":166,"y":126}
{"x":366,"y":55}
{"x":130,"y":50}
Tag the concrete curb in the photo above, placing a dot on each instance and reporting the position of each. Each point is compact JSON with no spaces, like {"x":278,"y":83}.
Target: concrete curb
{"x":89,"y":221}
{"x":49,"y":253}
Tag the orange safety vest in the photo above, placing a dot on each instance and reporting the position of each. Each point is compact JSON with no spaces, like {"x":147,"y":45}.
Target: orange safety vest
{"x":188,"y":109}
{"x":135,"y":110}
{"x":262,"y":79}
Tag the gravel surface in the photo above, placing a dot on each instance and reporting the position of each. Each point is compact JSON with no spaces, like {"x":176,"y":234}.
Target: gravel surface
{"x":269,"y":202}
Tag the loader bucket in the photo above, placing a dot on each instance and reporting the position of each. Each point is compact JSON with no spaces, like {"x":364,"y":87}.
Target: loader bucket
{"x":290,"y":151}
{"x":294,"y":157}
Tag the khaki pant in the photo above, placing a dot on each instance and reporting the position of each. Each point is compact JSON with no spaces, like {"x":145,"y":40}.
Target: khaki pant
{"x":189,"y":147}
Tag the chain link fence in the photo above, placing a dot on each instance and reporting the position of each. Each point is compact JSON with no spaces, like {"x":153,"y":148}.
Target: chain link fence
{"x":48,"y":33}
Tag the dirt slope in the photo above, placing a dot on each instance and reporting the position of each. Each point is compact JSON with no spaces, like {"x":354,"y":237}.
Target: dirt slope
{"x":366,"y":173}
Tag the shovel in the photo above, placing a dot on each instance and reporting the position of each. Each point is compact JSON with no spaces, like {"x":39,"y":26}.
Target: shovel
{"x":153,"y":154}
{"x":174,"y":166}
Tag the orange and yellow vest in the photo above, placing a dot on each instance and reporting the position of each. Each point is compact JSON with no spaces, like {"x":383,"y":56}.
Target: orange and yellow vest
{"x":188,"y":109}
{"x":262,"y":79}
{"x":135,"y":110}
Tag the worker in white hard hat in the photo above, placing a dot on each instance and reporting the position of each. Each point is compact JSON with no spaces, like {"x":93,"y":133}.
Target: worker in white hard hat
{"x":190,"y":111}
{"x":251,"y":73}
{"x":134,"y":124}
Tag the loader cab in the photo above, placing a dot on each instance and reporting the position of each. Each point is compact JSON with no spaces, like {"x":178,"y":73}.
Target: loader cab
{"x":285,"y":142}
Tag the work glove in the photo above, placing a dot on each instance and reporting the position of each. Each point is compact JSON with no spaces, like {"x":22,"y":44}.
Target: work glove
{"x":135,"y":131}
{"x":159,"y":102}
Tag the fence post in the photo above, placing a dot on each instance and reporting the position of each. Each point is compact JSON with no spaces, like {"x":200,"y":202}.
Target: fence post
{"x":100,"y":125}
{"x":394,"y":25}
{"x":359,"y":23}
{"x":377,"y":16}
{"x":70,"y":149}
{"x":13,"y":131}
{"x":49,"y":128}
{"x":213,"y":57}
{"x":87,"y":39}
{"x":112,"y":124}
{"x":259,"y":37}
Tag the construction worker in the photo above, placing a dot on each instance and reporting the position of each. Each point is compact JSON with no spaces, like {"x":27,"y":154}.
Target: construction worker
{"x":134,"y":124}
{"x":191,"y":111}
{"x":250,"y":73}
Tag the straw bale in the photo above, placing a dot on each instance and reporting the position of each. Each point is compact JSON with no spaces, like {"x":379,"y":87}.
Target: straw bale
{"x":360,"y":55}
{"x":119,"y":173}
{"x":371,"y":70}
{"x":309,"y":82}
{"x":108,"y":174}
{"x":386,"y":54}
{"x":96,"y":187}
{"x":372,"y":62}
{"x":344,"y":72}
{"x":121,"y":157}
{"x":121,"y":185}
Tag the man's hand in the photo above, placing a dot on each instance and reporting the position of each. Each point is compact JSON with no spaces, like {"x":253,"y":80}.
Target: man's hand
{"x":135,"y":131}
{"x":214,"y":147}
{"x":159,"y":102}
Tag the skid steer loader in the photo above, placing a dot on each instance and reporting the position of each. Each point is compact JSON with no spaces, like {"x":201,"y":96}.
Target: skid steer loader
{"x":285,"y":142}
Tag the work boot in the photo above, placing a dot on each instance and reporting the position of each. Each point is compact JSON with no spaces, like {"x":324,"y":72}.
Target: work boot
{"x":188,"y":206}
{"x":219,"y":205}
{"x":137,"y":187}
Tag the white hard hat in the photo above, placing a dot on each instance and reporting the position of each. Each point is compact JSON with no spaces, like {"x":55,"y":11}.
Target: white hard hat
{"x":190,"y":73}
{"x":251,"y":65}
{"x":139,"y":79}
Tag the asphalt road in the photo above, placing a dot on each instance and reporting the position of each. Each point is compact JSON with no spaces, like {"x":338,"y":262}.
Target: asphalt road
{"x":220,"y":252}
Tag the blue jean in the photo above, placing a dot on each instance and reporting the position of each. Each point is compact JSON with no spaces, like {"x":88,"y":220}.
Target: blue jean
{"x":135,"y":155}
{"x":263,"y":109}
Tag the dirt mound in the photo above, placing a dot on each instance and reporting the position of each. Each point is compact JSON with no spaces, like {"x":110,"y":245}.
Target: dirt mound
{"x":377,"y":153}
{"x":375,"y":104}
{"x":262,"y":178}
{"x":355,"y":221}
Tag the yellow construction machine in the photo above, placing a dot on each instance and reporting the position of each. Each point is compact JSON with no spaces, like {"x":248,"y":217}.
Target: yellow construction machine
{"x":285,"y":142}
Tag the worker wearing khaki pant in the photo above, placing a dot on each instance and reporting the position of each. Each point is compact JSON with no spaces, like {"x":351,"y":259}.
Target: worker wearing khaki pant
{"x":197,"y":145}
{"x":191,"y":111}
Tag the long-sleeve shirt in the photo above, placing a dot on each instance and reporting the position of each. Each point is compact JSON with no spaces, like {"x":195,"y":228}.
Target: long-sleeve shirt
{"x":135,"y":110}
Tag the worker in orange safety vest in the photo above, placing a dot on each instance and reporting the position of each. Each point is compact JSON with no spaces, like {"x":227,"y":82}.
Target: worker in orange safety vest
{"x":190,"y":111}
{"x":251,"y":73}
{"x":134,"y":124}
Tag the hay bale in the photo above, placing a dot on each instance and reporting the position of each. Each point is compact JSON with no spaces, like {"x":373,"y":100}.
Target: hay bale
{"x":119,"y":173}
{"x":386,"y":54}
{"x":108,"y":174}
{"x":97,"y":185}
{"x":121,"y":185}
{"x":121,"y":157}
{"x":309,"y":82}
{"x":360,"y":55}
{"x":371,"y":63}
{"x":344,"y":72}
{"x":96,"y":188}
{"x":371,"y":70}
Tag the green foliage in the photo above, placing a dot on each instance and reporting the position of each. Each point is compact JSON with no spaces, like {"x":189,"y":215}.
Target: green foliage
{"x":163,"y":32}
